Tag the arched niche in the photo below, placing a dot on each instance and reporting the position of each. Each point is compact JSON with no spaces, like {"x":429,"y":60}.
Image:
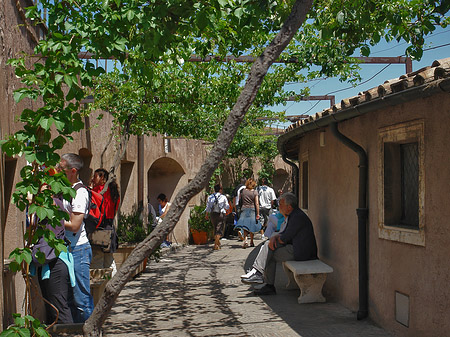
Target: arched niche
{"x":163,"y":177}
{"x":281,"y":181}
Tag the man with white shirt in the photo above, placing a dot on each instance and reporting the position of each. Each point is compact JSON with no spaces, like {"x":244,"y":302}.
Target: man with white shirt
{"x":216,"y":206}
{"x":83,"y":303}
{"x":266,"y":196}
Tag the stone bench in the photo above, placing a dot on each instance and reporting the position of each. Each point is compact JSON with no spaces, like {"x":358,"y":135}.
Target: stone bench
{"x":309,"y":276}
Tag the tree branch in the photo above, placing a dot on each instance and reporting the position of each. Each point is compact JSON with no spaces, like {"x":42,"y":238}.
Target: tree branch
{"x":259,"y":69}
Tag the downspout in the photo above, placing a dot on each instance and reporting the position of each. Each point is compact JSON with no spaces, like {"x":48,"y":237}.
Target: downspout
{"x":294,"y":177}
{"x":362,"y":212}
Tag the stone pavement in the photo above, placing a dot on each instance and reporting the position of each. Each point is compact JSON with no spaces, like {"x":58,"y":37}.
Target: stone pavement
{"x":196,"y":291}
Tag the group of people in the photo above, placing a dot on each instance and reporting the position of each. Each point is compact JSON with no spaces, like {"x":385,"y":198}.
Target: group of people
{"x":289,"y":231}
{"x":252,"y":207}
{"x":65,"y":280}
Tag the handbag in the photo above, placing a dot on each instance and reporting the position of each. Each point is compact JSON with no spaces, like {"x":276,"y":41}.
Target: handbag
{"x":105,"y":238}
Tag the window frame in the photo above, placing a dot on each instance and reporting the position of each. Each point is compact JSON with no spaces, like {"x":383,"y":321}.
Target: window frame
{"x":402,"y":133}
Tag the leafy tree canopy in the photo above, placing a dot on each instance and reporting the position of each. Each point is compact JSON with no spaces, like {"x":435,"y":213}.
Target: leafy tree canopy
{"x":158,"y":91}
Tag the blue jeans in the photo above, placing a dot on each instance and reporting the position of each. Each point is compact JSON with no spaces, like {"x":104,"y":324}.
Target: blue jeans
{"x":83,"y":303}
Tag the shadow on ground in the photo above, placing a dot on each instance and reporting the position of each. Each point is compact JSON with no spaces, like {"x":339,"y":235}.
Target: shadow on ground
{"x":197,"y":292}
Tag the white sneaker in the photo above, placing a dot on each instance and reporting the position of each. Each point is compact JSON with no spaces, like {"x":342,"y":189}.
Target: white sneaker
{"x":250,"y":273}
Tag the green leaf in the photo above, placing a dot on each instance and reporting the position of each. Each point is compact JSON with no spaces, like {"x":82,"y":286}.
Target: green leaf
{"x":40,"y":257}
{"x":41,"y":332}
{"x":238,"y":12}
{"x":20,"y":94}
{"x":46,"y":123}
{"x":41,"y":212}
{"x":59,"y":141}
{"x":130,"y":15}
{"x":202,"y":20}
{"x":26,"y":255}
{"x":340,"y":17}
{"x":68,"y":80}
{"x":14,"y":266}
{"x":59,"y":125}
{"x":71,"y":94}
{"x":120,"y":44}
{"x":77,"y":122}
{"x":365,"y":51}
{"x":58,"y":78}
{"x":58,"y":35}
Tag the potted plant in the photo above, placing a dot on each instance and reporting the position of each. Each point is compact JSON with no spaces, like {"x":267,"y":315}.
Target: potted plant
{"x":132,"y":228}
{"x":201,"y":228}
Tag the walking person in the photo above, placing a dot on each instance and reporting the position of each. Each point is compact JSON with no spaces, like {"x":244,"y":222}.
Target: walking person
{"x":216,"y":208}
{"x":249,"y":218}
{"x":83,"y":303}
{"x":267,"y":197}
{"x":296,"y":242}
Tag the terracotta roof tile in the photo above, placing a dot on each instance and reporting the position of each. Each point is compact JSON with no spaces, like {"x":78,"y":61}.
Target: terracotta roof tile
{"x":438,"y":70}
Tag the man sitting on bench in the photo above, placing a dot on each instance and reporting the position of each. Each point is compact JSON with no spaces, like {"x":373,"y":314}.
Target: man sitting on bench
{"x":295,"y":242}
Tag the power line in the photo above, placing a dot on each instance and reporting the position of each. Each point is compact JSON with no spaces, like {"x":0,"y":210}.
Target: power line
{"x":371,"y":78}
{"x":436,"y":47}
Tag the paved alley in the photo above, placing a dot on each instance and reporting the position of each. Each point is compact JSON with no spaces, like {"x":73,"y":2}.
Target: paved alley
{"x":196,"y":291}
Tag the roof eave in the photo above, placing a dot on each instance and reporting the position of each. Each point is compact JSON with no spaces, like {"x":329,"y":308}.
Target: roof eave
{"x":413,"y":93}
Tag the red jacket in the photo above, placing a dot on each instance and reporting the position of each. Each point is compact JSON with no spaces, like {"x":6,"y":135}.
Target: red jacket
{"x":110,"y":207}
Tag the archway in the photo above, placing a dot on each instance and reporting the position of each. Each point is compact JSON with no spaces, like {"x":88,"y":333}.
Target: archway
{"x":164,"y":176}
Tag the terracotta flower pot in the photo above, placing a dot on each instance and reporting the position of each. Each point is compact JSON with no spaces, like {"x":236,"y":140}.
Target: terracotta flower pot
{"x":200,"y":238}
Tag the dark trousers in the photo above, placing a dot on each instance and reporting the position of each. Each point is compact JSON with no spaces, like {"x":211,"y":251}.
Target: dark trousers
{"x":218,"y":221}
{"x":57,"y":291}
{"x":264,"y":212}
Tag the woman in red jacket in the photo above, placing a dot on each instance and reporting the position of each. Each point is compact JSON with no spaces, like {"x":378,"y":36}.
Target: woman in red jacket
{"x":111,"y":198}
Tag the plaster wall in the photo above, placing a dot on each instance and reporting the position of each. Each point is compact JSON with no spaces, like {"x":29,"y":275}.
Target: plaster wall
{"x":419,"y":272}
{"x":14,"y":38}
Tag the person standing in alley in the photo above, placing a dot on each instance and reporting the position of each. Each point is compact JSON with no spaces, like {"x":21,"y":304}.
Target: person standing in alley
{"x":164,"y":206}
{"x":249,"y":219}
{"x":101,"y":258}
{"x":266,"y":196}
{"x":216,"y":208}
{"x":83,"y":303}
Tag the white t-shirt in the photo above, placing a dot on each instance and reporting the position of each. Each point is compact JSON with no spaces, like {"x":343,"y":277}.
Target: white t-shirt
{"x":266,"y":195}
{"x":222,"y":201}
{"x":80,"y":205}
{"x":238,"y":194}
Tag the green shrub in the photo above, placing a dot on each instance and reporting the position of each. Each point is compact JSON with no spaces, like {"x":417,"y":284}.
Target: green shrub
{"x":197,"y":220}
{"x":131,"y":227}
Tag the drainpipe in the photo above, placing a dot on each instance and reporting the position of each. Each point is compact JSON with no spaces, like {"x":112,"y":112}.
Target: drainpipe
{"x":362,"y":213}
{"x":294,"y":176}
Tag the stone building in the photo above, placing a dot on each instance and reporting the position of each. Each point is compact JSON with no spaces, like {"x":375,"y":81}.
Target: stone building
{"x":374,"y":174}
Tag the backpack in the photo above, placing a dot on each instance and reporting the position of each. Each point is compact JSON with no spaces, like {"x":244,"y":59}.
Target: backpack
{"x":216,"y":207}
{"x":96,"y":209}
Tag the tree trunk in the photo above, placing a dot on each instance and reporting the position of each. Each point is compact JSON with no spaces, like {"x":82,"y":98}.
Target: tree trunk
{"x":259,"y":69}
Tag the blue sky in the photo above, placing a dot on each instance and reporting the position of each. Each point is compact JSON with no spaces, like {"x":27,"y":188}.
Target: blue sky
{"x":437,"y":46}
